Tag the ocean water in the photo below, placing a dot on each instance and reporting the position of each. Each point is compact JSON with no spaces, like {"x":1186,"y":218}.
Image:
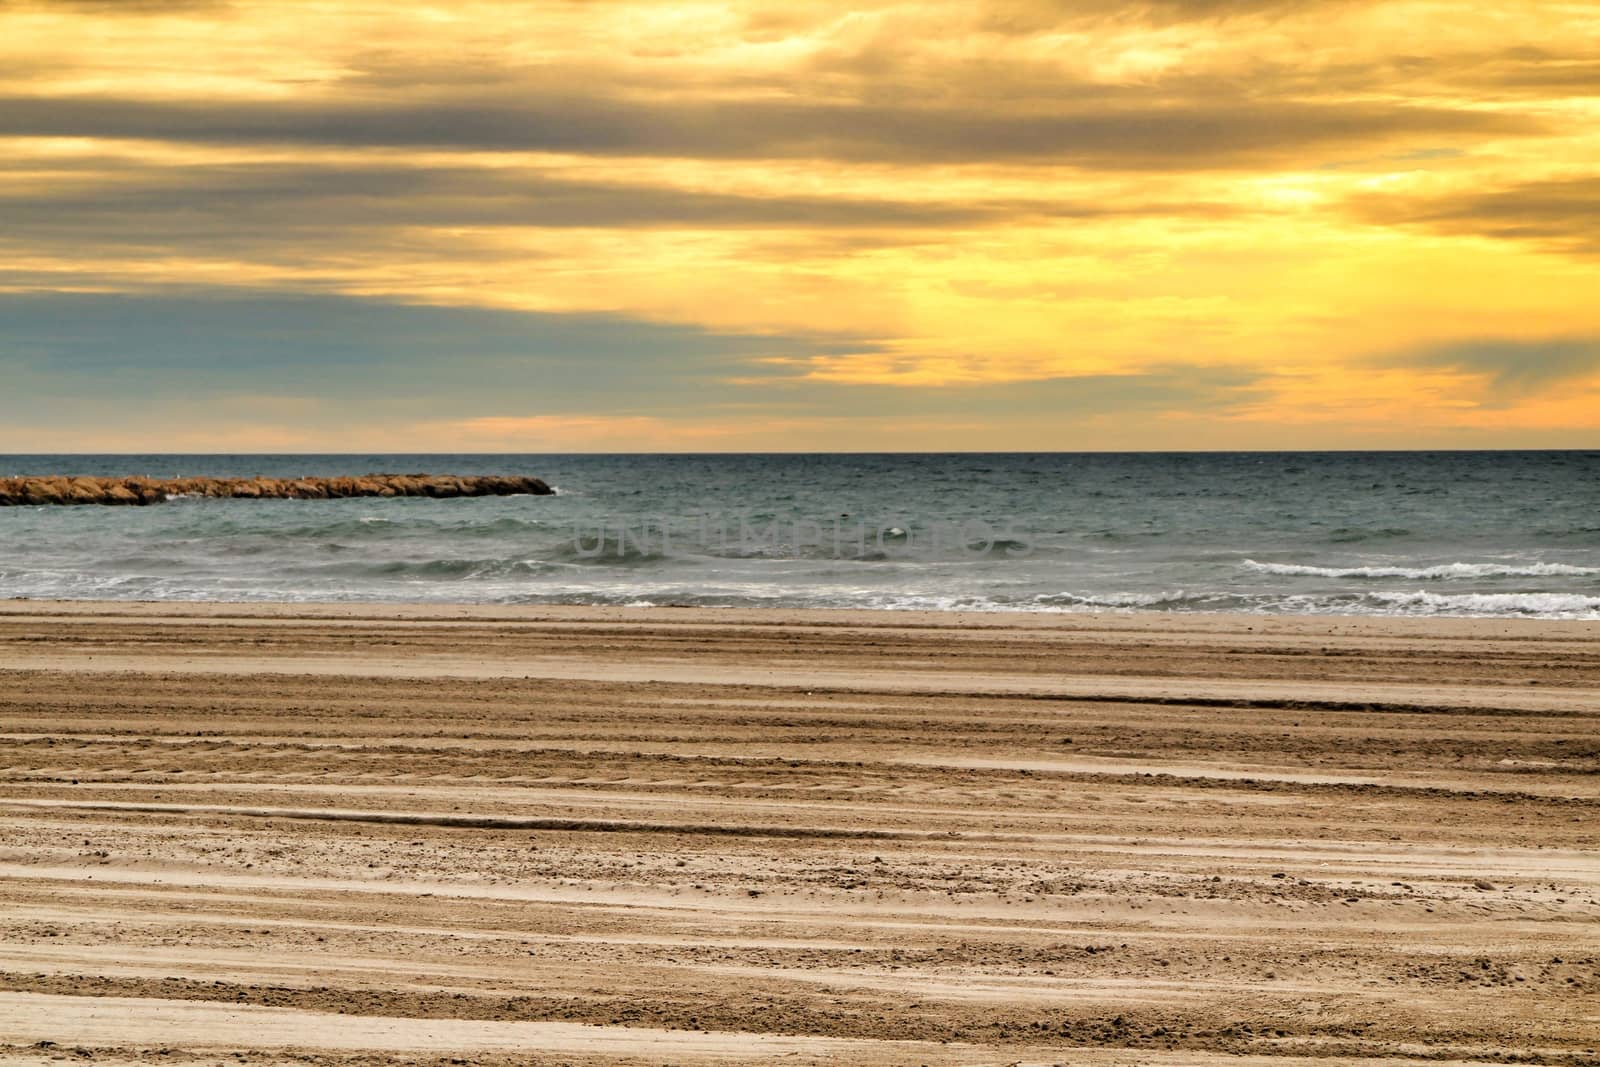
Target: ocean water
{"x":1509,"y":534}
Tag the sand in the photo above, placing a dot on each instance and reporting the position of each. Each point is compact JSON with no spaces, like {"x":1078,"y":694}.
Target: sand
{"x":361,"y":834}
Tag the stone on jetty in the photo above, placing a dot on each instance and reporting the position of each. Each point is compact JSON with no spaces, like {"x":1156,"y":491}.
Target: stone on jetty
{"x":60,"y":490}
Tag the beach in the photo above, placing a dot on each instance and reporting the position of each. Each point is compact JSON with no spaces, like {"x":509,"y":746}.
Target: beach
{"x":366,"y":833}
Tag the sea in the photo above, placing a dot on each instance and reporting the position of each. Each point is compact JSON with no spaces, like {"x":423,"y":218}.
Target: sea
{"x":1496,"y":534}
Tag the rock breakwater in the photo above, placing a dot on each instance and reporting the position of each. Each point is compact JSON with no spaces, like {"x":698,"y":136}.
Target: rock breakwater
{"x":137,"y":491}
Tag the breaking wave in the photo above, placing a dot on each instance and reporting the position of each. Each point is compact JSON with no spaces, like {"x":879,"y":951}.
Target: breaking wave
{"x":1439,"y":572}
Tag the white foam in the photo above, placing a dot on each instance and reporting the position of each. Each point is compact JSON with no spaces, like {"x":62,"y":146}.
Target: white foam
{"x":1443,"y":571}
{"x":1533,"y":605}
{"x":1130,"y":600}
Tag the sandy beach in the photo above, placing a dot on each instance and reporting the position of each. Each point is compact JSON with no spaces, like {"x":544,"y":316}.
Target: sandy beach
{"x":363,"y":834}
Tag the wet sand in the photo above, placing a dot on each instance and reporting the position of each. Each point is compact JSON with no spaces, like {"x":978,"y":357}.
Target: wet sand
{"x":358,"y":835}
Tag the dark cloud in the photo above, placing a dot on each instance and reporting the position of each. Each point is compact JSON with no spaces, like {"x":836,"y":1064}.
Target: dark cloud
{"x":319,"y":196}
{"x":1500,"y":74}
{"x":1523,"y":70}
{"x":1511,"y":370}
{"x":1120,"y":134}
{"x":256,"y":208}
{"x":1563,"y":215}
{"x":70,"y":348}
{"x":1035,"y":16}
{"x":364,"y":358}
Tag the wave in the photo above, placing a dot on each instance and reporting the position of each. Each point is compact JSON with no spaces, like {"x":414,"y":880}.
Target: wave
{"x":442,"y":570}
{"x":1411,"y":603}
{"x":597,"y":553}
{"x":238,"y":537}
{"x":1439,"y":572}
{"x":1348,"y":534}
{"x":1418,"y":604}
{"x":893,"y":548}
{"x":518,"y":582}
{"x":1166,"y":600}
{"x":1527,"y":605}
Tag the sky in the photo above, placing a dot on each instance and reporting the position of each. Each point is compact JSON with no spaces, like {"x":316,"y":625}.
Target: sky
{"x":605,"y":225}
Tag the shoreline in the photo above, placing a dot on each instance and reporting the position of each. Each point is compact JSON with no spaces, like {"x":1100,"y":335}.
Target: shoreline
{"x":1135,"y":619}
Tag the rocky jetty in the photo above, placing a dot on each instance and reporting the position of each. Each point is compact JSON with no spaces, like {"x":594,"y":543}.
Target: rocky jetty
{"x":63,"y":490}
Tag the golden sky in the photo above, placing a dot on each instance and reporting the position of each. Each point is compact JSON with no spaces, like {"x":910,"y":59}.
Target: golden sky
{"x":606,"y":225}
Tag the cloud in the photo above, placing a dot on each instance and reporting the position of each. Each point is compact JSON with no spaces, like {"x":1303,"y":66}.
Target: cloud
{"x":110,"y":201}
{"x":72,"y":349}
{"x":1032,"y":16}
{"x":1510,"y":370}
{"x":1156,"y":389}
{"x":117,"y":7}
{"x":1113,"y":134}
{"x":912,"y":172}
{"x":1562,"y":214}
{"x":1522,"y":70}
{"x":281,"y":361}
